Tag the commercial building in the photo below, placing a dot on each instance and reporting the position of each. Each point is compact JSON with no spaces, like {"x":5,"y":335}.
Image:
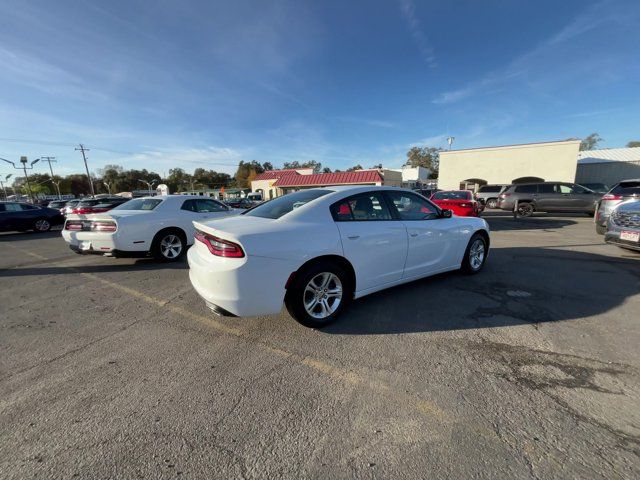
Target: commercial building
{"x":474,"y":167}
{"x":414,"y":177}
{"x":280,"y":182}
{"x":608,"y":166}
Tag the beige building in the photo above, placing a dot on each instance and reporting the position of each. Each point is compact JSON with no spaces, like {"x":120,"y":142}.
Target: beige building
{"x":471,"y":168}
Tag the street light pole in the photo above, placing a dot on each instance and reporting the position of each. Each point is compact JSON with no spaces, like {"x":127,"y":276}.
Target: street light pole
{"x":108,"y":185}
{"x":149,"y":184}
{"x":24,"y":168}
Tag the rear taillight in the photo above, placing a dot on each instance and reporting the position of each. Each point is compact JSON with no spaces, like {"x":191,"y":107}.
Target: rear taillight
{"x":609,"y":196}
{"x":504,"y":195}
{"x":218,"y":246}
{"x":100,"y":226}
{"x":73,"y":225}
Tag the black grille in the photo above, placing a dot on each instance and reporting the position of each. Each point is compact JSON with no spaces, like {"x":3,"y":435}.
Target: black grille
{"x":624,"y":219}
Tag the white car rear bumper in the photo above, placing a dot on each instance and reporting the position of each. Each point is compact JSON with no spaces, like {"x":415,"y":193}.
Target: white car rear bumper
{"x":244,"y":287}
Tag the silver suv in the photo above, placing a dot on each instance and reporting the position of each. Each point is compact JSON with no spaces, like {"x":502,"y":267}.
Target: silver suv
{"x":623,"y":191}
{"x":488,"y":194}
{"x":549,"y":197}
{"x":623,"y":228}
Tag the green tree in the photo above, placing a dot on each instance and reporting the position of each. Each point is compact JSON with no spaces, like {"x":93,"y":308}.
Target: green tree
{"x":354,"y":168}
{"x":633,"y":144}
{"x":427,"y":157}
{"x":317,"y":166}
{"x":590,"y":142}
{"x":326,"y":170}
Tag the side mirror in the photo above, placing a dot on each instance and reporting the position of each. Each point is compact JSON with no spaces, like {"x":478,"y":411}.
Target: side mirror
{"x":446,"y":213}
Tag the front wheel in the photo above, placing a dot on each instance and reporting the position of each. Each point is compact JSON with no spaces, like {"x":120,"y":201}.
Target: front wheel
{"x":476,"y":254}
{"x":168,"y":245}
{"x":42,"y":225}
{"x":319,"y":294}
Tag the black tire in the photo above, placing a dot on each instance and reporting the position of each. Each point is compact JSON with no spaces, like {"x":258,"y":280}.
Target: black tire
{"x":169,"y":245}
{"x":41,"y":225}
{"x":492,"y":203}
{"x":470,"y":263}
{"x":298,"y":293}
{"x":525,"y":209}
{"x":601,"y":229}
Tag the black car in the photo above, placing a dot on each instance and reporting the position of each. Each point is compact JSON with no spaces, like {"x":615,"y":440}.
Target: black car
{"x":241,"y":203}
{"x":24,"y":216}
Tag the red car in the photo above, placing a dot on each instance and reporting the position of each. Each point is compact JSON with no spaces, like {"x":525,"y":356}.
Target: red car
{"x":461,"y":202}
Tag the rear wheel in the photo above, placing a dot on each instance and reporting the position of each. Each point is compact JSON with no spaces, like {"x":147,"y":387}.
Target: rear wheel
{"x":319,"y":294}
{"x":169,"y":245}
{"x":42,"y":225}
{"x":492,"y":203}
{"x":476,"y":254}
{"x":525,"y":209}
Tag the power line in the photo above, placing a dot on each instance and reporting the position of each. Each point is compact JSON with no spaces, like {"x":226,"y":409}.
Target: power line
{"x":84,"y":157}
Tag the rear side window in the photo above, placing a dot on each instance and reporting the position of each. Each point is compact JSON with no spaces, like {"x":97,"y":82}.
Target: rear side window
{"x":527,"y":188}
{"x":490,"y":188}
{"x":546,"y":188}
{"x":280,"y":206}
{"x":363,"y":207}
{"x":626,"y":188}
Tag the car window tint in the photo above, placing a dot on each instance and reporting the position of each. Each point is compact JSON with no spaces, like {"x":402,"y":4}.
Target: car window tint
{"x":490,"y":188}
{"x":412,"y":207}
{"x":626,"y":188}
{"x":189,"y":205}
{"x":208,"y":206}
{"x":453,"y":195}
{"x":13,"y":207}
{"x":546,"y":188}
{"x":341,"y":211}
{"x":564,"y":188}
{"x":526,"y":189}
{"x":579,"y":189}
{"x":2,"y":207}
{"x":280,"y":206}
{"x":140,"y":204}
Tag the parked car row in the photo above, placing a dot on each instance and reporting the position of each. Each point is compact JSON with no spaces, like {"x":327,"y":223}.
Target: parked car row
{"x":23,"y":216}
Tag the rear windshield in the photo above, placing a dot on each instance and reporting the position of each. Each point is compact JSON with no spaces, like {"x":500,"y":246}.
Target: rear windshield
{"x":57,"y":204}
{"x":140,"y":204}
{"x":490,"y":188}
{"x":457,"y":195}
{"x":280,"y":206}
{"x":626,"y":188}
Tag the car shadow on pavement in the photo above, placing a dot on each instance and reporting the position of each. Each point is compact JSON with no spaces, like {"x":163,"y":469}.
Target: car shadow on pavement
{"x":18,"y":236}
{"x":122,"y":265}
{"x":506,"y":221}
{"x":519,"y":286}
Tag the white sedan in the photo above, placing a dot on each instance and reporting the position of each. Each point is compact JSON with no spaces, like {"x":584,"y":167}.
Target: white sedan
{"x":316,"y":250}
{"x":161,"y":226}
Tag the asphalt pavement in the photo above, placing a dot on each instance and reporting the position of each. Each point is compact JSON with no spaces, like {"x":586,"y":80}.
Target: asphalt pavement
{"x":114,"y":368}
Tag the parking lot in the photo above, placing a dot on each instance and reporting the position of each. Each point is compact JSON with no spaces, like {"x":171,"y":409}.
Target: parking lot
{"x":114,"y":368}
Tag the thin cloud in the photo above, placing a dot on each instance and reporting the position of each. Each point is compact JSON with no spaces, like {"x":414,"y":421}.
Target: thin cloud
{"x":408,"y":10}
{"x":527,"y":66}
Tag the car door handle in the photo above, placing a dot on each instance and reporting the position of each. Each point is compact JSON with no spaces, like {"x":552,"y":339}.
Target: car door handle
{"x":413,"y":234}
{"x":353,"y":237}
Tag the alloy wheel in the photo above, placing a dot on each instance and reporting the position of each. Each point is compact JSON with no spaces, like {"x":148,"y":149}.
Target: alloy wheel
{"x":42,"y":225}
{"x":525,"y":210}
{"x":476,"y":254}
{"x":492,"y":203}
{"x":171,"y":246}
{"x":322,"y":295}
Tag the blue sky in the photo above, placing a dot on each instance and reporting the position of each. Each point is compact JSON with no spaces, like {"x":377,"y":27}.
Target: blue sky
{"x":205,"y":84}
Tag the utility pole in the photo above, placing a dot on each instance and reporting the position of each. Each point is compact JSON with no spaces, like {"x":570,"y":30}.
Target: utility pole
{"x":49,"y":160}
{"x":84,"y":157}
{"x":4,"y":189}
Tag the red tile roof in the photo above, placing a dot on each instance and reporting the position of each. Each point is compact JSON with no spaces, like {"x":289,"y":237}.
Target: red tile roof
{"x":271,"y":174}
{"x":321,"y":179}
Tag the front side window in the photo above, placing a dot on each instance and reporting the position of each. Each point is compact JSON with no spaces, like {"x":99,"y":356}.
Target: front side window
{"x":564,"y":188}
{"x":189,"y":205}
{"x":139,"y":204}
{"x":280,"y":206}
{"x":412,"y":207}
{"x":362,"y":207}
{"x":546,"y":188}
